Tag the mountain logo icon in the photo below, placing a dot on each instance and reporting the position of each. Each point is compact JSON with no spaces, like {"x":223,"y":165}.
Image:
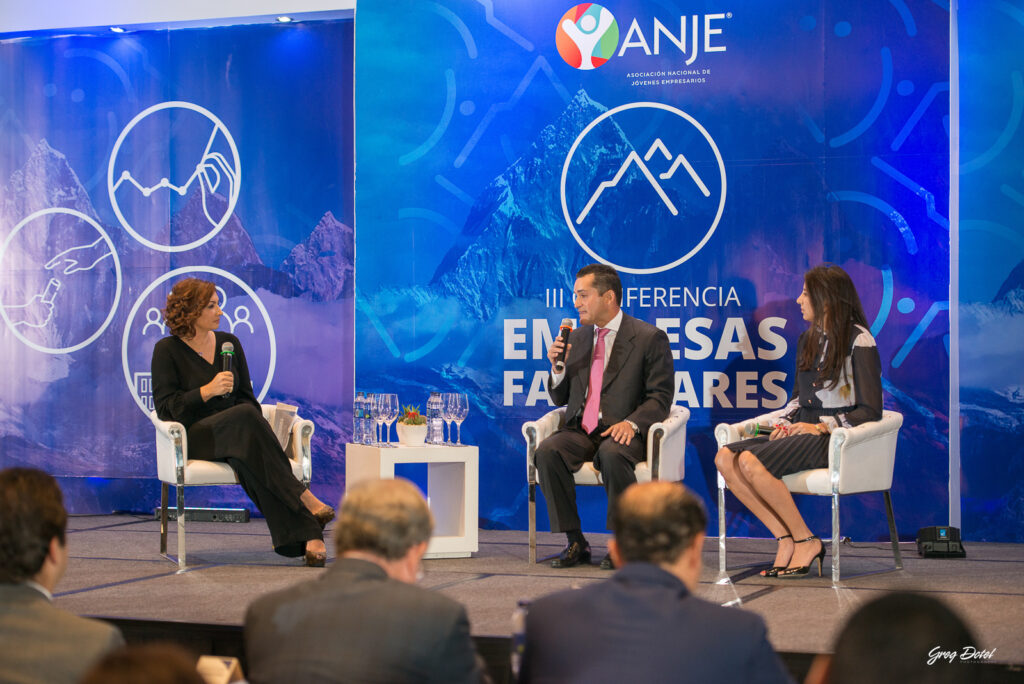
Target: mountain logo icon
{"x":643,"y":207}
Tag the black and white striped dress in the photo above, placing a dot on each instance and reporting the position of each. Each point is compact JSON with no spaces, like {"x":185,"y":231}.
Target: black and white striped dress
{"x":855,"y":399}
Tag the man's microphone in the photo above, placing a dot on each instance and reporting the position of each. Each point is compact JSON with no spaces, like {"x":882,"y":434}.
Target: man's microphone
{"x":563,"y":334}
{"x":227,"y":353}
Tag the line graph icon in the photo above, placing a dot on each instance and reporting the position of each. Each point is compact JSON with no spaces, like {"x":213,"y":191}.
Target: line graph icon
{"x":175,"y":167}
{"x":643,"y":213}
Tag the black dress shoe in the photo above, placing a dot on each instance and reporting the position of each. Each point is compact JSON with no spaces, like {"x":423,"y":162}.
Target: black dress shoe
{"x":606,"y":563}
{"x":573,"y":554}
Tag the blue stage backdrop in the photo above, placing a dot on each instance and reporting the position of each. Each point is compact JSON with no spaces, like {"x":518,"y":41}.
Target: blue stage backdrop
{"x":713,"y":150}
{"x":130,"y":161}
{"x":991,"y":268}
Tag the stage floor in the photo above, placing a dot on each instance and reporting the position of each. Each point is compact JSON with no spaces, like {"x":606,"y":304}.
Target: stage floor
{"x":116,"y":571}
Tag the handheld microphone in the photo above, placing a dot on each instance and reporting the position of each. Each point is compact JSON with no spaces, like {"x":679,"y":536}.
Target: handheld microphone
{"x":227,"y":353}
{"x":563,"y":334}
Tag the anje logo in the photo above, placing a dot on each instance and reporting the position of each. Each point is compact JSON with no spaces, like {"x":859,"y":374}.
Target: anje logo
{"x":587,"y":36}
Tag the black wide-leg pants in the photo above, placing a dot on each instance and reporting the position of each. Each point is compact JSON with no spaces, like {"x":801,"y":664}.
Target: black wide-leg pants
{"x":242,"y":438}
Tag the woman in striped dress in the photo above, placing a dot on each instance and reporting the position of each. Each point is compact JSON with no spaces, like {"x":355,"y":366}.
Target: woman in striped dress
{"x":838,"y":384}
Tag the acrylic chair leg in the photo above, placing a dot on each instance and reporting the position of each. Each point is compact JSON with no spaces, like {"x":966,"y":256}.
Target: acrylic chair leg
{"x":721,"y":530}
{"x":181,"y":527}
{"x":835,"y":538}
{"x":163,"y":518}
{"x":533,"y":522}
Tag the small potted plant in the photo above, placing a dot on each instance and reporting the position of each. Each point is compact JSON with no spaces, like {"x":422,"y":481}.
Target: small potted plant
{"x":412,"y":427}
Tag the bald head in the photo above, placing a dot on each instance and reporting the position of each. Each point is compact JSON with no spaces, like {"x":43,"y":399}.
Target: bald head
{"x":656,"y":522}
{"x":384,"y":518}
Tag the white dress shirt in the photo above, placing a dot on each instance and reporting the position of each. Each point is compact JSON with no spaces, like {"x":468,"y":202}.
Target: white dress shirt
{"x":609,"y":341}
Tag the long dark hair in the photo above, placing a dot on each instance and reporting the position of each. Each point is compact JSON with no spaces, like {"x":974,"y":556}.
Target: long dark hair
{"x":837,"y":310}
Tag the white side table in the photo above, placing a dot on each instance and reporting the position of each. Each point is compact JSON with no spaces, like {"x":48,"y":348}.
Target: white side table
{"x":453,"y":477}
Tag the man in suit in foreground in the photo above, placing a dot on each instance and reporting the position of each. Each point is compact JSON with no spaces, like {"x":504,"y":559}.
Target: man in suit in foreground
{"x":39,"y":642}
{"x":364,"y":620}
{"x":618,"y":380}
{"x":644,"y":624}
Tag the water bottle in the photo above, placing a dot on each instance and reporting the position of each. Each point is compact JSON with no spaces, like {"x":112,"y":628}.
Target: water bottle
{"x":369,"y":428}
{"x":435,"y":428}
{"x":519,"y":635}
{"x":357,"y":418}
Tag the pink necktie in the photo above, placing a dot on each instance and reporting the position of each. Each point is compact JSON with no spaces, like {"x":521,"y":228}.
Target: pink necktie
{"x":593,"y":406}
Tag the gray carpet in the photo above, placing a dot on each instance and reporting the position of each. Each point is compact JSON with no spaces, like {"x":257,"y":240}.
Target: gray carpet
{"x":116,"y":571}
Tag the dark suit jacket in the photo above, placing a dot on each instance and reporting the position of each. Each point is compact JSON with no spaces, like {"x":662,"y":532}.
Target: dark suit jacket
{"x":41,"y":643}
{"x":638,"y":382}
{"x":355,"y":624}
{"x":643,"y":625}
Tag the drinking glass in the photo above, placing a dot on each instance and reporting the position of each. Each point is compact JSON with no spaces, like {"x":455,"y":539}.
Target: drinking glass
{"x":448,"y":408}
{"x":392,"y":415}
{"x":461,"y":411}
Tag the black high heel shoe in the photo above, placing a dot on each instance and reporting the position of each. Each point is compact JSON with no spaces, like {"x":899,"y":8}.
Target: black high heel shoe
{"x":775,"y":569}
{"x":791,"y":573}
{"x":324,"y":516}
{"x":315,"y":559}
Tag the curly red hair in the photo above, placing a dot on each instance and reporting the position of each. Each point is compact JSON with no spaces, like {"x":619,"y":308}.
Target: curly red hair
{"x":184,"y":305}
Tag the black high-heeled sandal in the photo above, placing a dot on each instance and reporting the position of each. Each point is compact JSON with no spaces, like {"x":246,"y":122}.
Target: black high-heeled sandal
{"x":790,"y":573}
{"x":776,"y":569}
{"x":315,"y":559}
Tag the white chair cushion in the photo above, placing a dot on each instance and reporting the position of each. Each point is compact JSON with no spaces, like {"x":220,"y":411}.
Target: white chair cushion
{"x":809,"y":482}
{"x":209,"y":473}
{"x":588,"y":476}
{"x":216,"y":473}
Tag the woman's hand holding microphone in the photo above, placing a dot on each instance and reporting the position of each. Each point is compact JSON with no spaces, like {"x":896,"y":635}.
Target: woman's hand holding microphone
{"x":221,"y":385}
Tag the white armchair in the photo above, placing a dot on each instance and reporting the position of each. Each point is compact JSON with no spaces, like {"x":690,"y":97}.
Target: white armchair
{"x":174,"y":469}
{"x":860,"y":459}
{"x":666,"y":456}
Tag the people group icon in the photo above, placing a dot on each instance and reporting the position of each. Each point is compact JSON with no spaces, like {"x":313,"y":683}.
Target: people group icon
{"x":240,"y":317}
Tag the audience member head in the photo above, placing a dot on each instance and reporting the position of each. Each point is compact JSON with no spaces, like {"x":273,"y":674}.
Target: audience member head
{"x":185,"y":304}
{"x":662,"y":523}
{"x":900,"y":637}
{"x":387,"y":522}
{"x":32,"y":526}
{"x":156,"y":663}
{"x":834,"y":308}
{"x":605,"y":278}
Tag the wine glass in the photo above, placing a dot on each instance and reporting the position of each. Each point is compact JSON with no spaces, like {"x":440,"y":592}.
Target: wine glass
{"x":391,"y":414}
{"x":461,"y":411}
{"x":448,"y":414}
{"x":380,"y":408}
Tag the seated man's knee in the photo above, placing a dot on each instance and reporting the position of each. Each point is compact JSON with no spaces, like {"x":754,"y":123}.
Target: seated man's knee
{"x":545,"y":455}
{"x":614,"y":455}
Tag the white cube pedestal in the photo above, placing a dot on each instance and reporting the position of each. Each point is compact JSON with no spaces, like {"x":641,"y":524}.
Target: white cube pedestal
{"x":453,"y":478}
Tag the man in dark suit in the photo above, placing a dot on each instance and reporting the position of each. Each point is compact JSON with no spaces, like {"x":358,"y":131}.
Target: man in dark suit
{"x":39,"y":642}
{"x":364,"y":620}
{"x":644,"y":624}
{"x":629,"y":365}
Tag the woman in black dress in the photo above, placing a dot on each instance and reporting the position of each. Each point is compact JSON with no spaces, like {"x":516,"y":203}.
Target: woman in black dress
{"x":838,"y":384}
{"x":224,"y":421}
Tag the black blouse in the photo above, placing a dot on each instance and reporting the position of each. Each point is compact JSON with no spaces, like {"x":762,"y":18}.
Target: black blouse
{"x":855,"y":399}
{"x":179,"y":372}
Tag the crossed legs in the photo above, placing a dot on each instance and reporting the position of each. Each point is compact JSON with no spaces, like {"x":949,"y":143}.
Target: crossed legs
{"x":767,"y":498}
